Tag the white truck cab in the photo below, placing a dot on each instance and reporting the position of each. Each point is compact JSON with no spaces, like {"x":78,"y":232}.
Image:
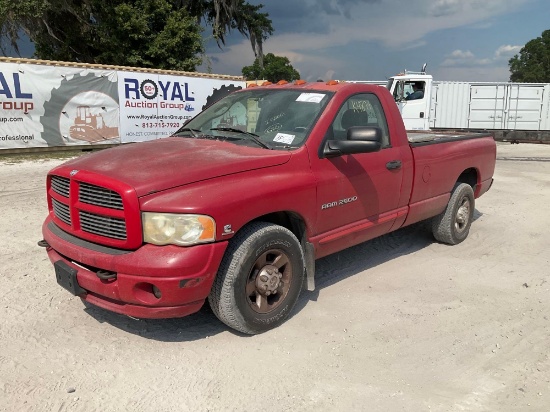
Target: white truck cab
{"x":412,"y":93}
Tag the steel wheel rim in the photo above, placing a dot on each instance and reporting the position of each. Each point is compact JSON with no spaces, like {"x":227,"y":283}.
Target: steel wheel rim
{"x":462,"y":215}
{"x":269,"y":280}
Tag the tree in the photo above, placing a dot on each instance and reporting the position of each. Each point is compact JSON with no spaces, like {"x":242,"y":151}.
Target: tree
{"x":533,"y":63}
{"x":226,"y":15}
{"x":163,"y":34}
{"x":275,"y":68}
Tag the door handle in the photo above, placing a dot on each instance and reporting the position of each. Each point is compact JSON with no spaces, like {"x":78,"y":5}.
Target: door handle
{"x":394,"y":164}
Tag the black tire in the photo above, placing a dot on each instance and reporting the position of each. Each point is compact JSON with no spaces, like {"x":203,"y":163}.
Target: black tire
{"x":259,"y":280}
{"x":453,"y":224}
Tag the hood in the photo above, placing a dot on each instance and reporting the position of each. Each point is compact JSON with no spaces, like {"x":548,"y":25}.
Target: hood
{"x":166,"y":163}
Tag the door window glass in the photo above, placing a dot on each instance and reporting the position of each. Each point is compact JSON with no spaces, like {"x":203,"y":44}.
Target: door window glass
{"x":360,"y":110}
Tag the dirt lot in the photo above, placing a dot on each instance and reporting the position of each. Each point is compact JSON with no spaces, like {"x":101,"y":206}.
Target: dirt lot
{"x":399,"y":323}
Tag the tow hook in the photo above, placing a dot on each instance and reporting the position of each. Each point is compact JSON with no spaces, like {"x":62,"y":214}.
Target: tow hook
{"x":43,"y":243}
{"x":105,"y":275}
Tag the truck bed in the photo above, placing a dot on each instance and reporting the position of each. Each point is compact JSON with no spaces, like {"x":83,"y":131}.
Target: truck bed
{"x":422,"y":138}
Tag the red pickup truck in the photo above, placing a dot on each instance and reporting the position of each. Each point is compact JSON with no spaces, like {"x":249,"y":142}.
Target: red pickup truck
{"x":239,"y":203}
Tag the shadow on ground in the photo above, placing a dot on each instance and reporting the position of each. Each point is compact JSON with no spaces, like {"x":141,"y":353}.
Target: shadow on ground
{"x":329,"y":271}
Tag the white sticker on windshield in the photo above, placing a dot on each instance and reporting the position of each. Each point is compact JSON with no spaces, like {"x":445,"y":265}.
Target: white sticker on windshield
{"x":310,"y":97}
{"x":284,"y":138}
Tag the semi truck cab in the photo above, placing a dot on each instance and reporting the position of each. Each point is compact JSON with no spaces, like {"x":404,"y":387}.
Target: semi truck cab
{"x":415,"y":111}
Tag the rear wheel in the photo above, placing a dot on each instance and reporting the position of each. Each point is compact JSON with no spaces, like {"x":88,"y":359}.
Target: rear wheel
{"x":259,"y":280}
{"x":453,"y":224}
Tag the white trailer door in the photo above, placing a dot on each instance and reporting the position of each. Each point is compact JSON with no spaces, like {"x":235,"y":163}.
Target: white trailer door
{"x":450,"y":106}
{"x":487,"y":106}
{"x":524,"y":107}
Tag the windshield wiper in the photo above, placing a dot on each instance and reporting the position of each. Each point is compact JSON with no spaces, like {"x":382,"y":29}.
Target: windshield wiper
{"x":188,"y":129}
{"x":253,"y":136}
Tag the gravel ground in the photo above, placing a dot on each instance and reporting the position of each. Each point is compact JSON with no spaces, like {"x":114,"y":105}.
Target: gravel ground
{"x":401,"y":323}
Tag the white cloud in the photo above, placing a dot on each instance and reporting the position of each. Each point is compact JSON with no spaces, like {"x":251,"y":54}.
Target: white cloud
{"x":465,"y":58}
{"x":387,"y":23}
{"x":459,"y":54}
{"x":507,"y":51}
{"x":445,"y":7}
{"x":465,"y":63}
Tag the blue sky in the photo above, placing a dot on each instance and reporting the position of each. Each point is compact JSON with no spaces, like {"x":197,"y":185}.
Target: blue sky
{"x":462,"y":40}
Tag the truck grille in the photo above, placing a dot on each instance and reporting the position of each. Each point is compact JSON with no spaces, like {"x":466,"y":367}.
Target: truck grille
{"x":60,"y":185}
{"x":96,"y":213}
{"x":99,"y":196}
{"x":62,"y":211}
{"x":103,"y":225}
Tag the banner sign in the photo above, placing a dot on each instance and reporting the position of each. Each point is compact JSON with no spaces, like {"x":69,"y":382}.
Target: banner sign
{"x":57,"y":106}
{"x":43,"y":106}
{"x":155,"y":106}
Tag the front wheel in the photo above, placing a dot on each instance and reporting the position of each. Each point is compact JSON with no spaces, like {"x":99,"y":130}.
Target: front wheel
{"x":453,"y":224}
{"x":259,"y":279}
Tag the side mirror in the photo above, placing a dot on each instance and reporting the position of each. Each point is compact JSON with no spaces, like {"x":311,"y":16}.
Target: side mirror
{"x":360,"y":140}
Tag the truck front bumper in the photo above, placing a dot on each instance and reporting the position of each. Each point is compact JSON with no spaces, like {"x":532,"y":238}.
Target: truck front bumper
{"x":150,"y":282}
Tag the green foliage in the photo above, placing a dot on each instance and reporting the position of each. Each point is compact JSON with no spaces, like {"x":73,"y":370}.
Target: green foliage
{"x":227,"y":15}
{"x":143,"y":33}
{"x":150,"y":33}
{"x":275,"y":68}
{"x":533,"y":63}
{"x":162,"y":34}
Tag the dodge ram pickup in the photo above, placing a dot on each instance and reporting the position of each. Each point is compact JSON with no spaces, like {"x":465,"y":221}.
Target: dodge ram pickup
{"x":238,"y":204}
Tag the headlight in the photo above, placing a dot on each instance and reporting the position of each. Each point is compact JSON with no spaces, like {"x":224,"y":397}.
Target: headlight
{"x":182,"y":230}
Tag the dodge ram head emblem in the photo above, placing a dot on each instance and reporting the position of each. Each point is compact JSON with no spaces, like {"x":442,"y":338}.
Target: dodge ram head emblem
{"x":73,"y":172}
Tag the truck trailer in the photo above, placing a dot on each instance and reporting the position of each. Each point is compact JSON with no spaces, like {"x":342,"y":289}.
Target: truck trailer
{"x":516,"y":112}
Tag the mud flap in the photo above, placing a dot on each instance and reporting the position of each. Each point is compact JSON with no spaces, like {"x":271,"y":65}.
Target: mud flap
{"x":310,"y":265}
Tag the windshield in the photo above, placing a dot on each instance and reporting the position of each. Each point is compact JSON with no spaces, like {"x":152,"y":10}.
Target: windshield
{"x":272,"y":119}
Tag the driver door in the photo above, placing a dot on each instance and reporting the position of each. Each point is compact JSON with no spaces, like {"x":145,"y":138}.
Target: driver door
{"x":357,"y":194}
